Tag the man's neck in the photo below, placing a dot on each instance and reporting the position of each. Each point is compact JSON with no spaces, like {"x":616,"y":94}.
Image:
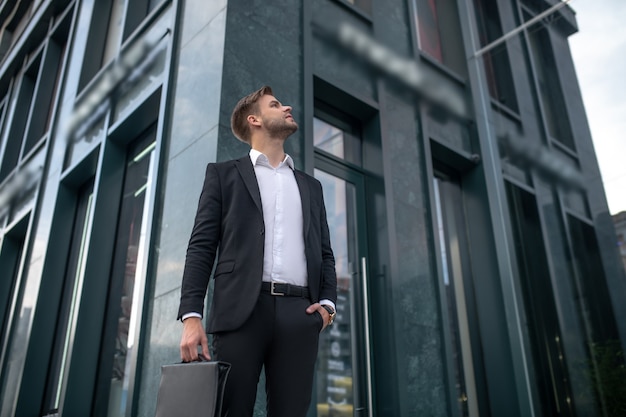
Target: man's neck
{"x":273,"y":149}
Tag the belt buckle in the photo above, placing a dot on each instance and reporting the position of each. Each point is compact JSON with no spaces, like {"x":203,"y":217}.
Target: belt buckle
{"x":273,"y":290}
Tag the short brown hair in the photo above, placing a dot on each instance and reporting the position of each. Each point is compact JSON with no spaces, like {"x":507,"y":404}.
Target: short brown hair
{"x":245,"y":107}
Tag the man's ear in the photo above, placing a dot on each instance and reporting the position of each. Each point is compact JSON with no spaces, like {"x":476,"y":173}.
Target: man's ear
{"x":253,"y":120}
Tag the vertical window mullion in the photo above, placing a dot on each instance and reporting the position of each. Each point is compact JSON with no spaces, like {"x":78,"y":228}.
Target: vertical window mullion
{"x":3,"y":139}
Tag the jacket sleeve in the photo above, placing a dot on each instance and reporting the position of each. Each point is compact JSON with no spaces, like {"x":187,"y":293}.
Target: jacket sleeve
{"x":203,"y":244}
{"x":329,"y":273}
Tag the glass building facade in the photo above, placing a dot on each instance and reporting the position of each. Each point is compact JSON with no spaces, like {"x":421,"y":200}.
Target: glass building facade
{"x":477,"y":267}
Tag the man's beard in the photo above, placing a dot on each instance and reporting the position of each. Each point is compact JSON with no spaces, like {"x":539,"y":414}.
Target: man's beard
{"x":281,"y":128}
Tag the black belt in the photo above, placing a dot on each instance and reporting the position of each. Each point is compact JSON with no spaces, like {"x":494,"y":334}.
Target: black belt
{"x":287,"y":290}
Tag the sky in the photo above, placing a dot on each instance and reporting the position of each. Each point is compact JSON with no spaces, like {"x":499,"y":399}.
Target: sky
{"x":599,"y":52}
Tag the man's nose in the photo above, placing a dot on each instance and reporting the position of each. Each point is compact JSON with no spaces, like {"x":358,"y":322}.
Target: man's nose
{"x":287,"y":108}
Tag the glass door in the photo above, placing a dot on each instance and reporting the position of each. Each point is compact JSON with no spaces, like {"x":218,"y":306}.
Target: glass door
{"x":118,"y":354}
{"x":343,"y":376}
{"x":461,"y":328}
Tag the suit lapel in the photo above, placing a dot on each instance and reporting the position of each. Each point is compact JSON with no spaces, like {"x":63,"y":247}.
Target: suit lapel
{"x":305,"y":196}
{"x":246,"y":170}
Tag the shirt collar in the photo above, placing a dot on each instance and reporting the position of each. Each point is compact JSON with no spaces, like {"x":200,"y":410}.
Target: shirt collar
{"x":255,"y":155}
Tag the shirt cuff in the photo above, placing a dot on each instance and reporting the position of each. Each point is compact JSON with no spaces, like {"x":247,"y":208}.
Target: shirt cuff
{"x":187,"y":315}
{"x":325,"y":302}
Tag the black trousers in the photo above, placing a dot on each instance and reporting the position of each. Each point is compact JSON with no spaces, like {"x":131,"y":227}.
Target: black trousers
{"x":281,"y":336}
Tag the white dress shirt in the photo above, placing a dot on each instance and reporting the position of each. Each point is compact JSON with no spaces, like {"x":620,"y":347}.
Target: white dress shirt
{"x":284,"y":259}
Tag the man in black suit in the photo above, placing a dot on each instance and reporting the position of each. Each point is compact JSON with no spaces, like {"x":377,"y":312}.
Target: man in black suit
{"x":275,"y":282}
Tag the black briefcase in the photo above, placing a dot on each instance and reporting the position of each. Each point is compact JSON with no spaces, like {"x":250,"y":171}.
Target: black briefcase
{"x":193,"y":389}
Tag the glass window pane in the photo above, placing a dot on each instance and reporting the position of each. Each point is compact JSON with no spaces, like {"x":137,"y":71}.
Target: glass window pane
{"x":364,"y":5}
{"x":136,"y":13}
{"x":496,"y":61}
{"x":429,"y":39}
{"x":439,"y":33}
{"x":342,"y":143}
{"x":17,"y":124}
{"x":328,"y":138}
{"x":114,"y":31}
{"x":15,"y":328}
{"x":43,"y":102}
{"x":550,"y":92}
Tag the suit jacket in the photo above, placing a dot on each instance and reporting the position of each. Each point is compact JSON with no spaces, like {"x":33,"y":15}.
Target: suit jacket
{"x":230,"y":220}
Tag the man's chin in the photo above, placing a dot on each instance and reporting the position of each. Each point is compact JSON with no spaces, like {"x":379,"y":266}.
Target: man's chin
{"x":290,"y":130}
{"x":284,"y":130}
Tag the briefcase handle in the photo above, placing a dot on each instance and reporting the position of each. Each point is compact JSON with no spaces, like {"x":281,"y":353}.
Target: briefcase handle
{"x":202,"y":358}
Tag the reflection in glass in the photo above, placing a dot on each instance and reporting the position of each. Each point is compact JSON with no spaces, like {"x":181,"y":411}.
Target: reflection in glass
{"x":335,"y":370}
{"x":328,"y":138}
